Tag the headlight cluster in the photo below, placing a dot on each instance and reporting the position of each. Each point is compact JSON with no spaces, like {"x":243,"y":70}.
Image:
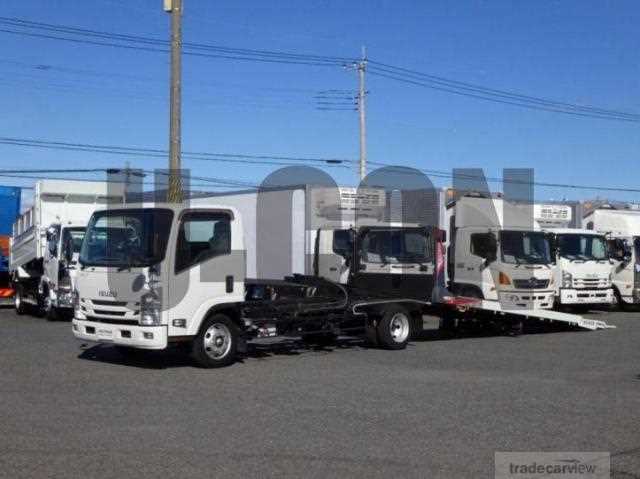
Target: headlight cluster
{"x":567,"y":279}
{"x":75,"y":299}
{"x":150,"y":309}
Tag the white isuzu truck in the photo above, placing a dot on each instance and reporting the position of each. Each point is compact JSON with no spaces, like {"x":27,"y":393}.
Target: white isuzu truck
{"x":622,"y":230}
{"x":582,"y":266}
{"x":46,"y":242}
{"x":156,"y":274}
{"x":494,"y":253}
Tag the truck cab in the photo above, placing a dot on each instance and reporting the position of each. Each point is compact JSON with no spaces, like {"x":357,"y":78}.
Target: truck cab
{"x":63,"y":244}
{"x":489,"y":260}
{"x":621,"y":229}
{"x":583,"y":270}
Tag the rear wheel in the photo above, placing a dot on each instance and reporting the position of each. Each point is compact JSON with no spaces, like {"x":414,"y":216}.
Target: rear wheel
{"x":21,"y":307}
{"x":217,"y":342}
{"x":394,"y":328}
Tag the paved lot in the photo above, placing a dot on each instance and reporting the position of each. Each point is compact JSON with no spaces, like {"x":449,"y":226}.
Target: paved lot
{"x":438,"y":409}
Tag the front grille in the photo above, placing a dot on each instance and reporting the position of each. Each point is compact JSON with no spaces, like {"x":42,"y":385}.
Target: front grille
{"x":99,"y":302}
{"x":113,"y":321}
{"x":109,"y":313}
{"x":533,"y":283}
{"x":111,"y":310}
{"x":595,"y":283}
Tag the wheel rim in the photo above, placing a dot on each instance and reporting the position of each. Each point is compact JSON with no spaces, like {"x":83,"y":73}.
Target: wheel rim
{"x":217,"y":341}
{"x":399,"y":327}
{"x":18,"y":300}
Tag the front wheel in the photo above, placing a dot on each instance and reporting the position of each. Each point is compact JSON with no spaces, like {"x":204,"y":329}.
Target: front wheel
{"x":217,"y":342}
{"x":394,"y":328}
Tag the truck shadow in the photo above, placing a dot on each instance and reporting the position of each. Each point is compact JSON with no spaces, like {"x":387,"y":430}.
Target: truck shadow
{"x":176,"y":358}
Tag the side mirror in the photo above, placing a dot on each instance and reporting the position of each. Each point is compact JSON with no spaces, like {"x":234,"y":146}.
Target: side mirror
{"x":492,"y":250}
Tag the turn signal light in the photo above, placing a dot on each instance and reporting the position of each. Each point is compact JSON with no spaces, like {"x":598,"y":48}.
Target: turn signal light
{"x":504,"y":279}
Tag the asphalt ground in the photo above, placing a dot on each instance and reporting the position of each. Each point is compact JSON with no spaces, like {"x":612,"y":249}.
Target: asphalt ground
{"x":440,"y":408}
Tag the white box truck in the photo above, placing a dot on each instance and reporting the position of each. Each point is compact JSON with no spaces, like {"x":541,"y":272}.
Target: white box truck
{"x":495,"y":253}
{"x":46,"y":241}
{"x":622,"y":230}
{"x":582,"y":266}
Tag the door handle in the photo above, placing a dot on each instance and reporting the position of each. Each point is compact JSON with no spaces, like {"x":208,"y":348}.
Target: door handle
{"x":333,"y":268}
{"x":229,"y":283}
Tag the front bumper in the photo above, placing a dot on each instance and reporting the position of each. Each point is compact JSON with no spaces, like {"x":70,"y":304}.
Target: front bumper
{"x":142,"y":337}
{"x":586,"y":296}
{"x":526,"y":299}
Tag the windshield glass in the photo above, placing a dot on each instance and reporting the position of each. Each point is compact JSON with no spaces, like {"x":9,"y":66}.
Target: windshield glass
{"x":526,"y":247}
{"x":395,"y":246}
{"x":126,"y":237}
{"x":582,"y":247}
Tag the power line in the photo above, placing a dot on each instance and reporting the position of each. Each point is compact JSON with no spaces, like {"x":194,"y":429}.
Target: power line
{"x":520,"y":103}
{"x":135,"y":42}
{"x":458,"y":175}
{"x":161,"y":153}
{"x":391,"y":69}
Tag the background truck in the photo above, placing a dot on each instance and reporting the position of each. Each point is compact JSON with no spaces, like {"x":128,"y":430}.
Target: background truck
{"x":10,"y":199}
{"x":46,"y":240}
{"x":496,"y":253}
{"x":582,"y":268}
{"x":622,"y":230}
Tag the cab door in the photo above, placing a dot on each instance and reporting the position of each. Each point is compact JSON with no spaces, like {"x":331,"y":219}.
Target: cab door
{"x":334,"y":254}
{"x":394,"y":262}
{"x":208,"y":267}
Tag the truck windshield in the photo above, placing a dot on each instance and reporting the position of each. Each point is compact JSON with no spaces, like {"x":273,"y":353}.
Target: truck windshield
{"x":136,"y":237}
{"x":526,"y":247}
{"x":395,"y":246}
{"x":582,"y":247}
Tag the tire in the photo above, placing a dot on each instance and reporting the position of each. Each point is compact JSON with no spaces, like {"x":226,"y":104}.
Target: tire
{"x":216,"y":344}
{"x":50,"y":312}
{"x":21,"y":307}
{"x":620,"y":304}
{"x":394,"y":328}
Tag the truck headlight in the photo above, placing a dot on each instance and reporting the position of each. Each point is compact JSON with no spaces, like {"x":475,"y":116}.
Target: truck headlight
{"x":150,"y":309}
{"x":503,"y":279}
{"x":75,"y":299}
{"x":567,"y":279}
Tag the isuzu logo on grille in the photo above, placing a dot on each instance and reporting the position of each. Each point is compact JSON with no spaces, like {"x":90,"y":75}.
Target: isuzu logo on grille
{"x":108,"y":294}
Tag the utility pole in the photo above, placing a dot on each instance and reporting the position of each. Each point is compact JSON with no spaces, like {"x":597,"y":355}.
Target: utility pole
{"x":361,"y":67}
{"x":174,"y":7}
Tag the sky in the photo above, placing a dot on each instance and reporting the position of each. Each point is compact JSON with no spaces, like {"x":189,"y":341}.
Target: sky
{"x":574,"y":51}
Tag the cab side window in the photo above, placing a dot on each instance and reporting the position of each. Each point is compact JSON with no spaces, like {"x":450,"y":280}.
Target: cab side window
{"x":481,"y":244}
{"x":201,"y":236}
